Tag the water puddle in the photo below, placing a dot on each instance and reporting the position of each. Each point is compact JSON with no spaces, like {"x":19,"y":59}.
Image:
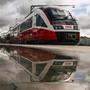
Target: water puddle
{"x":27,"y":67}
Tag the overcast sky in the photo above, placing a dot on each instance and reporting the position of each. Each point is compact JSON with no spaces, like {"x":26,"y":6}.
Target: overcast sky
{"x":12,"y":9}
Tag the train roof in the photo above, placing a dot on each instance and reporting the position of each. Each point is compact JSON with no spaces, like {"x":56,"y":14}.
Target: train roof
{"x":45,"y":6}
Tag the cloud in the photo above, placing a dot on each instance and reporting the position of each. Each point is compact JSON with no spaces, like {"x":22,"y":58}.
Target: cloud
{"x":7,"y":14}
{"x":84,"y":22}
{"x":82,"y":12}
{"x":4,"y":22}
{"x":4,"y":2}
{"x":12,"y":9}
{"x":23,"y":9}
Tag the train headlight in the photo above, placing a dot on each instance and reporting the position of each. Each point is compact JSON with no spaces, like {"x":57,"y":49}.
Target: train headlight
{"x":68,"y":63}
{"x":57,"y":27}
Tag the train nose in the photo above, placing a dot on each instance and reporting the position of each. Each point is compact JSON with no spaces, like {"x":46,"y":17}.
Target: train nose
{"x":67,"y":37}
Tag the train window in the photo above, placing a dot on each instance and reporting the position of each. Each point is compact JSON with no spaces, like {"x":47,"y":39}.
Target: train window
{"x":29,"y":23}
{"x":40,"y":68}
{"x":55,"y":14}
{"x":23,"y":26}
{"x":40,"y":21}
{"x":26,"y":25}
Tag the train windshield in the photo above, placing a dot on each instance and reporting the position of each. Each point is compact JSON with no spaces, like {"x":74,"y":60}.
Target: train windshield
{"x":59,"y":17}
{"x":57,"y":14}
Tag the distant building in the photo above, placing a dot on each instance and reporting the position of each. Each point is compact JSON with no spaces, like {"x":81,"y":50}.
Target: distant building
{"x":84,"y":41}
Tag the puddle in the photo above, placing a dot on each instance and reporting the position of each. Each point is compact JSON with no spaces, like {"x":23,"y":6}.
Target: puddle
{"x":42,"y":65}
{"x":27,"y":68}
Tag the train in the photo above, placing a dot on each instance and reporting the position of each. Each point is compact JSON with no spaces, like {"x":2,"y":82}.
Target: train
{"x":46,"y":25}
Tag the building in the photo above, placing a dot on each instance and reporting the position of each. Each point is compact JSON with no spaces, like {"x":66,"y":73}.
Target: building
{"x":84,"y":41}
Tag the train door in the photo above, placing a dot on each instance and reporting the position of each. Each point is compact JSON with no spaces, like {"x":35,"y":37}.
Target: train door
{"x":38,"y":27}
{"x":40,"y":22}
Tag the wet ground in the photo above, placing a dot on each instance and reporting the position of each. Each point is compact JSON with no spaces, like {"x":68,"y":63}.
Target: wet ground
{"x":44,"y":67}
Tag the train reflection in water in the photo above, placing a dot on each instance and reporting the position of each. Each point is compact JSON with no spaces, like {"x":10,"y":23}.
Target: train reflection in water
{"x":44,"y":66}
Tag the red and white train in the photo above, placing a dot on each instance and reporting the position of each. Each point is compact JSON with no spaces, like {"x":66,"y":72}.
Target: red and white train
{"x":46,"y":25}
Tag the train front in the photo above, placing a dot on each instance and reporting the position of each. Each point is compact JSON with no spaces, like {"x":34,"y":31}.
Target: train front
{"x":64,"y":25}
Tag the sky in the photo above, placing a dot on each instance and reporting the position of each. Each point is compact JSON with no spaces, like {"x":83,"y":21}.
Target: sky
{"x":12,"y":11}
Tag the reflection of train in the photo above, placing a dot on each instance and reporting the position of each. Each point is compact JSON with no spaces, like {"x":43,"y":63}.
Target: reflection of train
{"x":43,"y":65}
{"x":46,"y":25}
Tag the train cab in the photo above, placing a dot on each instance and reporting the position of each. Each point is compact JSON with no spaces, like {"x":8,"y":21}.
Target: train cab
{"x":57,"y":25}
